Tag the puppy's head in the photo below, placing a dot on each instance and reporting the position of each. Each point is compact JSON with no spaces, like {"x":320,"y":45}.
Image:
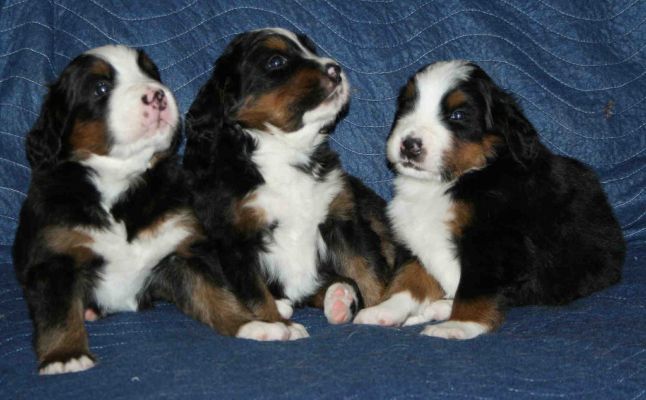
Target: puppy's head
{"x":108,"y":101}
{"x":272,"y":81}
{"x":452,"y":119}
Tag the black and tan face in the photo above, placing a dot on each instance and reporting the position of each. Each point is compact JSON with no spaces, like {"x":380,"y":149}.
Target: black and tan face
{"x":443,"y":124}
{"x":108,"y":102}
{"x":273,"y":81}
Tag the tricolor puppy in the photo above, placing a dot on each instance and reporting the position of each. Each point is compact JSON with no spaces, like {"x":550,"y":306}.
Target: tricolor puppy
{"x":269,"y":189}
{"x":107,"y":203}
{"x":491,"y":213}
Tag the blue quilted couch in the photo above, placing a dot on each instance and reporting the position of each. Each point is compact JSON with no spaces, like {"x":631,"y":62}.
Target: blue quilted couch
{"x":579,"y":69}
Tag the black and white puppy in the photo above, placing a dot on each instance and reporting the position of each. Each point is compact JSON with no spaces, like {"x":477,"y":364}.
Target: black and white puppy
{"x":107,"y":203}
{"x":491,"y":213}
{"x":269,"y":189}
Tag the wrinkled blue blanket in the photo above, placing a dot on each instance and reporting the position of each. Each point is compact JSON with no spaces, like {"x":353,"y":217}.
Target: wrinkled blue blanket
{"x":577,"y":67}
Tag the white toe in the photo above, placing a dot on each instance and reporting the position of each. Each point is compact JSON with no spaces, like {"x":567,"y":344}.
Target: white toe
{"x":436,"y":311}
{"x":297,"y":331}
{"x":392,"y":312}
{"x":455,"y":330}
{"x":264,"y":331}
{"x":74,"y":365}
{"x":285,"y":308}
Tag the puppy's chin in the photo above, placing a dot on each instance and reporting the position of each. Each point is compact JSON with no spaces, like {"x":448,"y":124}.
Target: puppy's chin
{"x":151,"y":143}
{"x":328,"y":111}
{"x":412,"y":170}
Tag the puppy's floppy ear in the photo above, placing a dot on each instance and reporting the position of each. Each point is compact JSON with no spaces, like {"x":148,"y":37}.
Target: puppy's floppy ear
{"x":214,"y":106}
{"x":45,"y":140}
{"x":505,"y":117}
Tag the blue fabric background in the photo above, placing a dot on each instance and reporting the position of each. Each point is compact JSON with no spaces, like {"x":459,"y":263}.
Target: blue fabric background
{"x":577,"y":67}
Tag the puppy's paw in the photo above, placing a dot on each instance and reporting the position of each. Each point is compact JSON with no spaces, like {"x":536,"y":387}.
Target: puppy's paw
{"x":76,"y":364}
{"x":436,"y":311}
{"x":340,"y":303}
{"x":297,"y":331}
{"x":392,"y":312}
{"x":285,"y":308}
{"x":91,"y":315}
{"x":264,"y":331}
{"x":456,"y":330}
{"x":379,"y":315}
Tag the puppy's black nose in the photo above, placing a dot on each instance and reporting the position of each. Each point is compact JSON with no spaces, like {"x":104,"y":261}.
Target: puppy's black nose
{"x":333,"y":71}
{"x":411,"y":147}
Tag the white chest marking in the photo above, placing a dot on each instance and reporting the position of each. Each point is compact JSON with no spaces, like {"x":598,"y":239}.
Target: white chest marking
{"x":297,"y":203}
{"x":127,"y":265}
{"x":419,"y":213}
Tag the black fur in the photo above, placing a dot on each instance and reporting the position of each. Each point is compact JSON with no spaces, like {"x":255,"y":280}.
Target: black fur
{"x":542,"y":231}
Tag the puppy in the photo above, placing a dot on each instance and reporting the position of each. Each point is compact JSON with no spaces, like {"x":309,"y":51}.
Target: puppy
{"x":107,"y":224}
{"x":269,"y":189}
{"x":492,"y":214}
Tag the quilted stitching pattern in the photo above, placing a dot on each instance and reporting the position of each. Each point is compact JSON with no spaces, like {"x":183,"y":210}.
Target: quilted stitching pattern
{"x":577,"y":67}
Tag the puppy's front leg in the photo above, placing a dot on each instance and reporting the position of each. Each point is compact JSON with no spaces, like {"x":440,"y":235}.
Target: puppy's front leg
{"x":52,"y":293}
{"x":414,"y":296}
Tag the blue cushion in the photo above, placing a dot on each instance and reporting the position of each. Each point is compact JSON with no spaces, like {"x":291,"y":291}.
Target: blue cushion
{"x":578,"y":69}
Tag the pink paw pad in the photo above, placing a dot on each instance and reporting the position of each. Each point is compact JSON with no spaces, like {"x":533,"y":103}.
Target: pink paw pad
{"x":338,"y":302}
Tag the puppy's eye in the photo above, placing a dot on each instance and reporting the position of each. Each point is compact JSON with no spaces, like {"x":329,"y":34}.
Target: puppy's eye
{"x":102,"y":88}
{"x":276,"y":62}
{"x":457,"y":115}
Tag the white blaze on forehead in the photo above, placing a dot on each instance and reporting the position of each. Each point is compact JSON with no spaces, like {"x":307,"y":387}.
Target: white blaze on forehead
{"x":304,"y":50}
{"x":124,"y":60}
{"x":435,"y":82}
{"x":425,"y":122}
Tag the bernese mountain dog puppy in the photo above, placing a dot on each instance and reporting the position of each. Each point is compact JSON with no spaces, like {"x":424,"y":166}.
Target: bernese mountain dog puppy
{"x":107,"y":224}
{"x":492,"y":214}
{"x":270,"y":191}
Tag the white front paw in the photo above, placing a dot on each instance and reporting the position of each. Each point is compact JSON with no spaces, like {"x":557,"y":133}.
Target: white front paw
{"x":264,"y":331}
{"x":436,"y":311}
{"x":380,"y":315}
{"x":297,"y":331}
{"x":392,"y":312}
{"x":337,"y":305}
{"x":73,"y":365}
{"x":455,"y":330}
{"x":285,"y":308}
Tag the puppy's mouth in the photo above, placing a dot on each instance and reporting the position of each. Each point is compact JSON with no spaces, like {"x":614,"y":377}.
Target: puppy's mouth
{"x":408,"y":164}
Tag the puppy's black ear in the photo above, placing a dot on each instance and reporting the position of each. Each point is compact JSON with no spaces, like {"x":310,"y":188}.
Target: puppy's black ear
{"x":307,"y":42}
{"x":215,"y":105}
{"x":45,"y":140}
{"x":147,"y":65}
{"x":504,"y":116}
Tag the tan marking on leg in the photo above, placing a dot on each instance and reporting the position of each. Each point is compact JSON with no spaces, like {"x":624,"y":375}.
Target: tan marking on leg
{"x":483,"y":310}
{"x":342,"y":206}
{"x":66,"y":341}
{"x":388,"y":249}
{"x":414,"y":279}
{"x":358,"y":269}
{"x":62,"y":240}
{"x":216,"y":307}
{"x":267,"y":309}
